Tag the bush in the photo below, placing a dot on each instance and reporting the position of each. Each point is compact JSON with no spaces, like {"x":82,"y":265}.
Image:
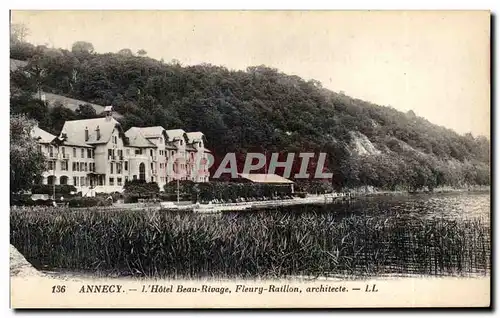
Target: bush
{"x":88,"y":202}
{"x":141,"y":189}
{"x":185,"y":187}
{"x":232,"y":191}
{"x":61,"y":189}
{"x":173,"y":197}
{"x":300,"y":194}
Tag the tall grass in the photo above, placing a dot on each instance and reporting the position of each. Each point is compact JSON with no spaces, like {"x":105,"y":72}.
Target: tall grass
{"x":267,"y":243}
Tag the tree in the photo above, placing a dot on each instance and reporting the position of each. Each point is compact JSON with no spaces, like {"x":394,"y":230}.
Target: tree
{"x":126,"y":52}
{"x":255,"y":110}
{"x":141,"y":189}
{"x":142,"y":52}
{"x":36,"y":73}
{"x":27,"y":162}
{"x":58,"y":115}
{"x":82,"y":47}
{"x":86,"y":111}
{"x":18,"y":32}
{"x":26,"y":104}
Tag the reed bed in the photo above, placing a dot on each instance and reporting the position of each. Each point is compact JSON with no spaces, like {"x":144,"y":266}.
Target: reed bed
{"x":271,"y":243}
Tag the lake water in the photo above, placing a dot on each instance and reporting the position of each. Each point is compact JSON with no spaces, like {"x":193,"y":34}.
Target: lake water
{"x":462,"y":205}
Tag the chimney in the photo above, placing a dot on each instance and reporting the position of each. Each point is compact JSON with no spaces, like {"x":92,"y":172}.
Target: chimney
{"x":86,"y":133}
{"x":108,"y":110}
{"x":98,"y":133}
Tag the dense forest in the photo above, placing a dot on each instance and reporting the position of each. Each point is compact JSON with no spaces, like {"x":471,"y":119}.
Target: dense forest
{"x":254,"y":110}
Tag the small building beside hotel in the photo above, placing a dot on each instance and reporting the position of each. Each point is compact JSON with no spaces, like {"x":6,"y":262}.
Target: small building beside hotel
{"x":265,"y":178}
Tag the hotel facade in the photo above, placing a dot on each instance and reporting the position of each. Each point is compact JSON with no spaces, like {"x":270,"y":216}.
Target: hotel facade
{"x":98,"y":156}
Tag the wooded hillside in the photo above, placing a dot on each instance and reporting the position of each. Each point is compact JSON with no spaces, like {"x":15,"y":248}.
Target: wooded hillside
{"x":258,"y":109}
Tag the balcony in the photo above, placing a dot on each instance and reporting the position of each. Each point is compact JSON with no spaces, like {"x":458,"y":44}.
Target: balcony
{"x":52,"y":155}
{"x":111,"y":157}
{"x":65,"y":156}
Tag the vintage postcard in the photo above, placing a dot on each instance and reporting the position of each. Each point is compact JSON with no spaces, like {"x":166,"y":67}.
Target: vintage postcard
{"x":250,"y":159}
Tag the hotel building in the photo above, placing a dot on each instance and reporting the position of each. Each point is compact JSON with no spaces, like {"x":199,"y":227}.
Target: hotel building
{"x":97,"y":155}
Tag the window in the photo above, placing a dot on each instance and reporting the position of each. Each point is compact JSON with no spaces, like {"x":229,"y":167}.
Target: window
{"x":82,"y":166}
{"x":89,"y":153}
{"x":138,"y":151}
{"x":135,"y":177}
{"x":83,"y":153}
{"x":126,"y":166}
{"x":82,"y":181}
{"x":51,"y":165}
{"x":127,"y":152}
{"x":151,"y":152}
{"x":115,"y":140}
{"x":75,"y":181}
{"x":111,"y":181}
{"x":110,"y":153}
{"x":111,"y":168}
{"x":64,"y":166}
{"x":75,"y":166}
{"x":86,"y":166}
{"x":74,"y":152}
{"x":120,"y":153}
{"x":152,"y":166}
{"x":119,"y":181}
{"x":126,"y":178}
{"x":118,"y":168}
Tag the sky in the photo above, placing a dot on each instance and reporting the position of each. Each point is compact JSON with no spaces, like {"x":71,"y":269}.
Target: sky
{"x":434,"y":63}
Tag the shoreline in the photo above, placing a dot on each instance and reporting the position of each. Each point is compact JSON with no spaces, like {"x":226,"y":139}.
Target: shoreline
{"x":327,"y":198}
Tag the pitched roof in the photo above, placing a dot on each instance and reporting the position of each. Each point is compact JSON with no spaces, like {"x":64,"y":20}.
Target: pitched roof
{"x":190,"y":147}
{"x":41,"y":135}
{"x":173,"y":134}
{"x":75,"y":130}
{"x":170,"y":145}
{"x":264,"y":178}
{"x":61,"y":142}
{"x":194,"y":136}
{"x":137,"y":139}
{"x":149,"y":132}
